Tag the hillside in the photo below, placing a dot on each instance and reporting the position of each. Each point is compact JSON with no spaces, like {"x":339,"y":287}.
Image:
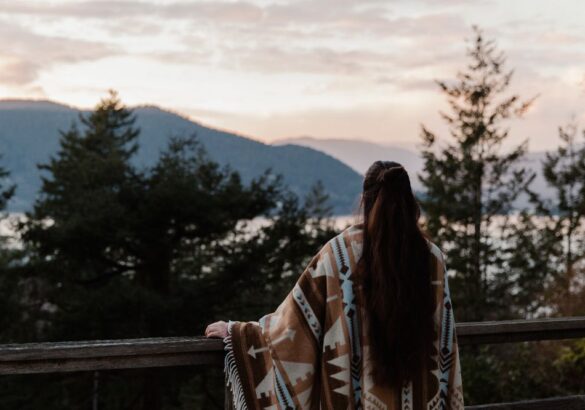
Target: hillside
{"x":29,"y":135}
{"x":360,"y":154}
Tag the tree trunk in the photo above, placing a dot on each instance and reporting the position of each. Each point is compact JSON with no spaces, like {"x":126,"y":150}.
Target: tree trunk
{"x":477,"y":268}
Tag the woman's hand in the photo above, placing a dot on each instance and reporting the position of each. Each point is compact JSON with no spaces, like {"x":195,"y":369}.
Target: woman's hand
{"x":217,"y":329}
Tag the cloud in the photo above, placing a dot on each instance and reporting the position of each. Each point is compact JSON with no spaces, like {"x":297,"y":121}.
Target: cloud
{"x":216,"y":11}
{"x":382,"y":122}
{"x":16,"y":71}
{"x":132,"y":26}
{"x":225,"y":11}
{"x":80,"y":9}
{"x":270,"y":56}
{"x":335,"y":42}
{"x":344,"y":16}
{"x":405,"y":83}
{"x":27,"y":53}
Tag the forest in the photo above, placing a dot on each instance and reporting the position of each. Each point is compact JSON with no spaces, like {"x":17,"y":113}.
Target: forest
{"x":112,"y":250}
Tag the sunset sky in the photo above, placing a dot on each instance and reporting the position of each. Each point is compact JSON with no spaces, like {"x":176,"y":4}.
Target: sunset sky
{"x":359,"y":69}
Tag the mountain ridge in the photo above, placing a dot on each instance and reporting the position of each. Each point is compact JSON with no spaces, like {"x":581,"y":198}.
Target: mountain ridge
{"x":359,"y":155}
{"x":29,"y":135}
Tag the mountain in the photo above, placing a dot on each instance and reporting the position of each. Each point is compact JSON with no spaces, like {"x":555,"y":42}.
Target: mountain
{"x":29,"y":135}
{"x":360,"y":154}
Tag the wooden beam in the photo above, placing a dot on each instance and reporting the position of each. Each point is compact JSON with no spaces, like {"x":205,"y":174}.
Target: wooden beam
{"x":555,"y":403}
{"x":508,"y":331}
{"x":191,"y":351}
{"x":109,"y":354}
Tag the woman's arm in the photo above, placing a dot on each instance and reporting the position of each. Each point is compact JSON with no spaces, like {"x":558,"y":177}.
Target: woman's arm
{"x":275,"y":361}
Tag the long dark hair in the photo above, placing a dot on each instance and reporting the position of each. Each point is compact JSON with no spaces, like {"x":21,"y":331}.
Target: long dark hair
{"x":395,"y":268}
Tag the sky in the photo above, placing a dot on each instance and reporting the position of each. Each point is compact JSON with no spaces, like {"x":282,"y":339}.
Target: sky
{"x":271,"y":69}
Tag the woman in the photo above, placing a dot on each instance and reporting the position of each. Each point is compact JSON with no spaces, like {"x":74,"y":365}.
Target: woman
{"x":369,"y":323}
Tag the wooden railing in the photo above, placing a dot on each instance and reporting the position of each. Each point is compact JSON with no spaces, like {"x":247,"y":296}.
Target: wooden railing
{"x":193,"y":351}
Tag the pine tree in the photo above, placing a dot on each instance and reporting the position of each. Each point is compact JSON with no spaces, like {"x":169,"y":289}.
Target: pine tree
{"x":564,"y":171}
{"x":471,"y":184}
{"x":157,"y":251}
{"x":10,"y":304}
{"x":7,"y":189}
{"x":82,"y":195}
{"x":277,"y":252}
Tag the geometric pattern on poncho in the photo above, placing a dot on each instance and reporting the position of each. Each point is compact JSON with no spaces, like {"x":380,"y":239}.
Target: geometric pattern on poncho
{"x":312,"y":352}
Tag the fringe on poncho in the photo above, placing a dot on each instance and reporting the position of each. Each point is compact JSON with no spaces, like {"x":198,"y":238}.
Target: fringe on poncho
{"x":312,"y":352}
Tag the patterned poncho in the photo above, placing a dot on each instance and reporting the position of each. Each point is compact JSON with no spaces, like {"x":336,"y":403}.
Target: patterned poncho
{"x":312,"y":352}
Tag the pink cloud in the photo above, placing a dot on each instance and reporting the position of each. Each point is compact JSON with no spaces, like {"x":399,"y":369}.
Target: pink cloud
{"x":28,"y":53}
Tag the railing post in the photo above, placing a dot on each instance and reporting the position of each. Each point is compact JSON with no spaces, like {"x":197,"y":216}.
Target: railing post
{"x":95,"y":393}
